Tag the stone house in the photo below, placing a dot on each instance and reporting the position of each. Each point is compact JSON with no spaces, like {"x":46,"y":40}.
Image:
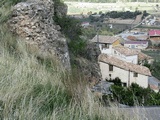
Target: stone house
{"x":112,"y":67}
{"x":106,"y":43}
{"x":110,"y":45}
{"x":126,"y":54}
{"x":131,"y":55}
{"x":154,"y":36}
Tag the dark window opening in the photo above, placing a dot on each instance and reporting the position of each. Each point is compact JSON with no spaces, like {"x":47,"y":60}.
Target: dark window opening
{"x":135,"y":74}
{"x":105,"y":46}
{"x":110,"y":67}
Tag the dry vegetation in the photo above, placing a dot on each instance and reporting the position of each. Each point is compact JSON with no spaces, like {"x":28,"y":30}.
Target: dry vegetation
{"x":33,"y":88}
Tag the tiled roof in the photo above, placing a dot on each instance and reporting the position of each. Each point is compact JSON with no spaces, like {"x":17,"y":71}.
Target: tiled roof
{"x":125,"y":51}
{"x":105,"y":39}
{"x":144,"y":37}
{"x":142,"y":56}
{"x":124,"y":65}
{"x":136,"y":42}
{"x":154,"y":33}
{"x":129,"y":52}
{"x":155,"y":38}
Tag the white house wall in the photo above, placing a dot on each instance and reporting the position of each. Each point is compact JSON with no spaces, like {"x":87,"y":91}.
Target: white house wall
{"x":117,"y":72}
{"x":124,"y":75}
{"x":136,"y":46}
{"x":105,"y":50}
{"x":131,"y":59}
{"x":141,"y":80}
{"x":111,"y":51}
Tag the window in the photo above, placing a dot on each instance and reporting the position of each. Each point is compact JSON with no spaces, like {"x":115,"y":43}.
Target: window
{"x":105,"y":46}
{"x":135,"y":74}
{"x":110,"y":67}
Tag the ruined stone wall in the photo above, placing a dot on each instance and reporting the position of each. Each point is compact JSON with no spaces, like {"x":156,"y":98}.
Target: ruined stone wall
{"x":33,"y":21}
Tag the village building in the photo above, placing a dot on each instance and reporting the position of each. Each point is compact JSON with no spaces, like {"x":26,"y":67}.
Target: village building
{"x":154,"y":36}
{"x":142,"y":37}
{"x":112,"y":67}
{"x":143,"y":58}
{"x":110,"y":45}
{"x":154,"y":33}
{"x":131,"y":55}
{"x":85,"y":24}
{"x":125,"y":54}
{"x":106,"y":43}
{"x":136,"y":44}
{"x":136,"y":35}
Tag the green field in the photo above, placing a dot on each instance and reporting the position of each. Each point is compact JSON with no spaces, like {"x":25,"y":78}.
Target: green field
{"x":154,"y":54}
{"x":84,"y":7}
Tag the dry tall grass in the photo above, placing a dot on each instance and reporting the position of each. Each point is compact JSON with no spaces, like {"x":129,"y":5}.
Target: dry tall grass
{"x":34,"y":87}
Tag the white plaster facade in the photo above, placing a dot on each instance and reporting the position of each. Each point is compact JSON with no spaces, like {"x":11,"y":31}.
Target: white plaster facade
{"x":129,"y":58}
{"x":105,"y":50}
{"x":111,"y":51}
{"x":126,"y":76}
{"x":136,"y":46}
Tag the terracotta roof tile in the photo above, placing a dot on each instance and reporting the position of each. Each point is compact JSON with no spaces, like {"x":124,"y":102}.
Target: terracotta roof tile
{"x":125,"y":51}
{"x":142,"y":56}
{"x":105,"y":39}
{"x":136,"y":42}
{"x":124,"y":65}
{"x":129,"y":52}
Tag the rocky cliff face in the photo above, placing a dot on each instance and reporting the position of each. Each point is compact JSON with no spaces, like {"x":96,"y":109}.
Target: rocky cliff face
{"x":89,"y":65}
{"x":33,"y":20}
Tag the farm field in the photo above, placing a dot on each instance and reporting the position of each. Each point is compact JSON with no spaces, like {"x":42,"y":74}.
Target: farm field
{"x":85,"y":7}
{"x":154,"y":54}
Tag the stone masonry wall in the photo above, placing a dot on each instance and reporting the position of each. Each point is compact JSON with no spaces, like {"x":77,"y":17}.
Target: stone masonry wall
{"x":33,"y":21}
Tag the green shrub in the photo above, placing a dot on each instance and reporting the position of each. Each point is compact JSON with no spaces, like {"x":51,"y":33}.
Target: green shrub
{"x":135,"y":95}
{"x":71,"y":28}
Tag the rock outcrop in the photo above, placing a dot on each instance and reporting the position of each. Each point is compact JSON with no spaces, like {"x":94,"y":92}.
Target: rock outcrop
{"x":33,"y":20}
{"x":89,"y":65}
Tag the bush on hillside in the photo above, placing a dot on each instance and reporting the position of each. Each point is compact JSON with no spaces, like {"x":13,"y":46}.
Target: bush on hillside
{"x":135,"y":95}
{"x":72,"y":29}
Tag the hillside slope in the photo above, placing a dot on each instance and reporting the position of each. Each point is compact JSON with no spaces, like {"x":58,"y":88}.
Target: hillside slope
{"x":36,"y":86}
